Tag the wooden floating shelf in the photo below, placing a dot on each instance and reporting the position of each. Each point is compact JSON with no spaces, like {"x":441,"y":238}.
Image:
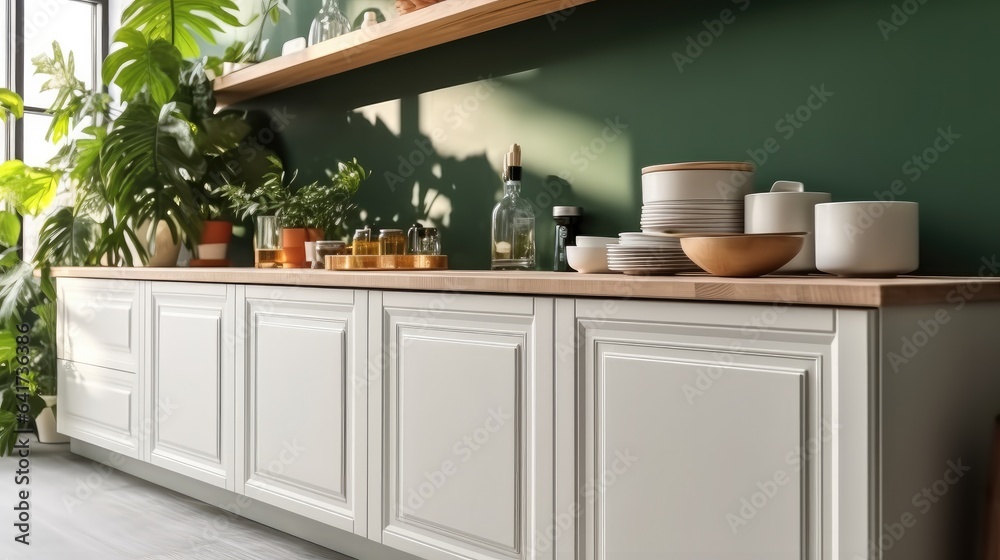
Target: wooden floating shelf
{"x":441,"y":23}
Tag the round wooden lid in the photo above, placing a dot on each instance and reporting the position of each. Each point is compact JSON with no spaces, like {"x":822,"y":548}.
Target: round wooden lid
{"x":702,"y":166}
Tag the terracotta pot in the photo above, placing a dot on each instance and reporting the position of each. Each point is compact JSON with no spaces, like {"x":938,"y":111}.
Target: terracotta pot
{"x":46,"y":423}
{"x":314,"y":234}
{"x":216,"y":231}
{"x":293,"y":246}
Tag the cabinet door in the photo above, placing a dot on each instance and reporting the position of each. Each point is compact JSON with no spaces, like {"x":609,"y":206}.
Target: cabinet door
{"x":467,"y":385}
{"x":191,"y":380}
{"x":305,"y":412}
{"x":99,"y":406}
{"x":98,"y":322}
{"x":706,"y":430}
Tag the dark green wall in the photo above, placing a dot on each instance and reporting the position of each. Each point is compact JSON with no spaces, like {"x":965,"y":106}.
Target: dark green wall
{"x":560,"y":80}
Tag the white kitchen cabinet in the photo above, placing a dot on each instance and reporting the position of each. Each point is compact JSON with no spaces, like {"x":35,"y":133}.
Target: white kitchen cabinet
{"x":99,"y":322}
{"x":191,"y":380}
{"x":466,"y":463}
{"x":713,"y":432}
{"x":100,"y":406}
{"x":302,"y":402}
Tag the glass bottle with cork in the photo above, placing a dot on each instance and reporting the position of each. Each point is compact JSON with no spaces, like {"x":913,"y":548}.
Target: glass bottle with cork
{"x":513,"y":230}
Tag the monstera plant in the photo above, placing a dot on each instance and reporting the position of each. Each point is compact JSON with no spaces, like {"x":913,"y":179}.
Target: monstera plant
{"x":159,"y":156}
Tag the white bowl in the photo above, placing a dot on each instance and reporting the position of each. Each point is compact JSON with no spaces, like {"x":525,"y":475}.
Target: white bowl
{"x":590,"y":241}
{"x":876,"y":239}
{"x":212,"y":251}
{"x":588,"y":260}
{"x":676,"y":182}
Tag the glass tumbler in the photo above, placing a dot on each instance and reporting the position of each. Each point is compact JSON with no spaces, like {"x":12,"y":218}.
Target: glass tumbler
{"x":268,"y":233}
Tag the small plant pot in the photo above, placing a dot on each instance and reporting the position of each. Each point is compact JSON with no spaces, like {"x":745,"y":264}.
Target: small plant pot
{"x":212,"y":251}
{"x":230,"y":67}
{"x":46,"y":423}
{"x":166,"y":249}
{"x":216,"y":231}
{"x":293,"y":247}
{"x":314,"y":234}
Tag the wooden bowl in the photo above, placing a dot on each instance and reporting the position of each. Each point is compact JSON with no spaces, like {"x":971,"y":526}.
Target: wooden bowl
{"x":407,"y":6}
{"x":742,"y":255}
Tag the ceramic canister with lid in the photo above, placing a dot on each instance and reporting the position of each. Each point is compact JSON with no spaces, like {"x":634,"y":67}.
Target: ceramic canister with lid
{"x":787,"y":208}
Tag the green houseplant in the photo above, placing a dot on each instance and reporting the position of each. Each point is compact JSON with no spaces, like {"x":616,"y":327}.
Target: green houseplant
{"x":27,"y":308}
{"x":309,"y":213}
{"x":244,"y":53}
{"x":156,"y":163}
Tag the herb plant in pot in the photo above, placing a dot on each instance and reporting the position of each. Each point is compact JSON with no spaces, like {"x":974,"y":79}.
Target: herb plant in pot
{"x":306,"y":214}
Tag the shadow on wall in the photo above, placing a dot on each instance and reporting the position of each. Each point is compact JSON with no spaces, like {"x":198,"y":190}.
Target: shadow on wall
{"x":412,"y":182}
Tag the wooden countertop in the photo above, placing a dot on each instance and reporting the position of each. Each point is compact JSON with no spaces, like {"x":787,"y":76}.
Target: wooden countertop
{"x":806,"y":290}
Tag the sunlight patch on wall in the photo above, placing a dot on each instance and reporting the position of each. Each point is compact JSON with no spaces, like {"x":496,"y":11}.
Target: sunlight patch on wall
{"x":487,"y":116}
{"x":387,"y":111}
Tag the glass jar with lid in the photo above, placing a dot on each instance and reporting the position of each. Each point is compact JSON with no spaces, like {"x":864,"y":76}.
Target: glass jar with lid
{"x":324,"y":248}
{"x":392,"y":242}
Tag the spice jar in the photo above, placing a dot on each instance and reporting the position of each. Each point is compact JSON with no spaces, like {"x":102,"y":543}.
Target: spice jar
{"x":363,"y":244}
{"x":392,"y":242}
{"x":324,"y":248}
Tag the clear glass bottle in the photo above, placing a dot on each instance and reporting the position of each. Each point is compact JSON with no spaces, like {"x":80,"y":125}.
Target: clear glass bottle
{"x":330,"y":22}
{"x":513,"y":229}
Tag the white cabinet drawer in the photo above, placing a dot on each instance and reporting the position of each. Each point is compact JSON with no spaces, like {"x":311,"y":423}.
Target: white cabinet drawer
{"x":99,"y":322}
{"x":99,"y":406}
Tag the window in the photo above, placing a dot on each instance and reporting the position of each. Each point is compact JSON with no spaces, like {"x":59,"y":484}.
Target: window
{"x":80,"y":27}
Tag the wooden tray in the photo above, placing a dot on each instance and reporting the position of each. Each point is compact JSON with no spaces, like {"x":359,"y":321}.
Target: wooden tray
{"x":387,"y":262}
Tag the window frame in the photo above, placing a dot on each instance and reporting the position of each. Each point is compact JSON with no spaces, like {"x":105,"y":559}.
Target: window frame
{"x":16,"y":67}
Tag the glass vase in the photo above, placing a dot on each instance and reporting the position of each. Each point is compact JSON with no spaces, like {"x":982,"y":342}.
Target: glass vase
{"x":330,"y":22}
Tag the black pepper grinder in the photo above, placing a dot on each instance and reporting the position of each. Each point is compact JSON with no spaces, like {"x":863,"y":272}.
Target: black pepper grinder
{"x":567,"y":220}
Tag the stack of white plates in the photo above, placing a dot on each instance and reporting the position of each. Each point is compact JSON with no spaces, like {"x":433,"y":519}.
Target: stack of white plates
{"x":693,"y":216}
{"x":649,"y":253}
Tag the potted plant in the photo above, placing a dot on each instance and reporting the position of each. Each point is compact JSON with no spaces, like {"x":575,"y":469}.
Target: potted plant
{"x":242,"y":54}
{"x":27,"y":308}
{"x":306,"y":214}
{"x":132,"y":172}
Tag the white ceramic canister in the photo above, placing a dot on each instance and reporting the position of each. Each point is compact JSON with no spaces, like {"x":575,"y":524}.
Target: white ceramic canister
{"x":874,"y":239}
{"x":787,"y":209}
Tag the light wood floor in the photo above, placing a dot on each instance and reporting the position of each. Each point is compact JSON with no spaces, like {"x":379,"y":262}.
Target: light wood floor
{"x":81,"y":510}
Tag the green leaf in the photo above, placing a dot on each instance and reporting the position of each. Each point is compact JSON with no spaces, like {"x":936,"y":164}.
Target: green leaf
{"x":31,"y":189}
{"x":147,"y":149}
{"x":222,"y":133}
{"x":8,"y":346}
{"x":12,"y":103}
{"x":18,"y":290}
{"x":9,"y":257}
{"x":8,"y":436}
{"x":70,"y":90}
{"x":66,"y":239}
{"x":143,"y":65}
{"x":181,"y":22}
{"x":10,"y":228}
